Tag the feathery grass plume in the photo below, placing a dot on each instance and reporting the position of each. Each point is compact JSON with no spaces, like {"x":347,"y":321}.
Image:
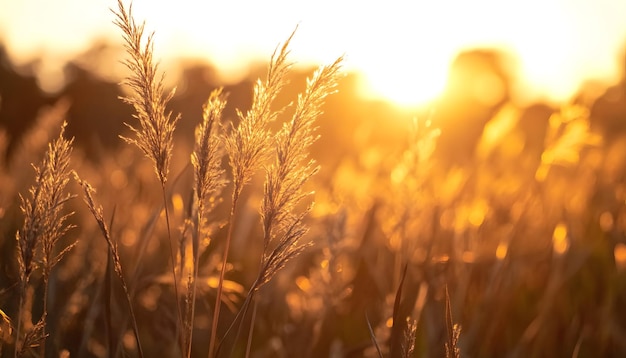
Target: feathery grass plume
{"x":249,"y":143}
{"x":156,"y":127}
{"x":209,"y":181}
{"x":209,"y":178}
{"x":291,"y":169}
{"x":97,"y":212}
{"x":58,"y":160}
{"x":247,"y":146}
{"x":286,"y":177}
{"x":44,"y":224}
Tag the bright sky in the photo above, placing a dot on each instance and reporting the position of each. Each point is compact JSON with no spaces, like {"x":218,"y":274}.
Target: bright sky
{"x":403,"y":47}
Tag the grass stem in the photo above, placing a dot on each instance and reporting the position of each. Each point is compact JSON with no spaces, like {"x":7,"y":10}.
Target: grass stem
{"x":220,"y":284}
{"x":179,"y":330}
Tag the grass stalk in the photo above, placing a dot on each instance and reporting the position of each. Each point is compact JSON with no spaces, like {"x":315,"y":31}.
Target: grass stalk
{"x":218,"y":299}
{"x":44,"y":225}
{"x":282,"y":226}
{"x":179,"y":329}
{"x":373,"y":337}
{"x":19,"y":319}
{"x":209,"y":182}
{"x":44,"y":316}
{"x":156,"y":127}
{"x":97,"y":213}
{"x":108,"y":294}
{"x":453,"y":331}
{"x":247,"y":147}
{"x":237,"y":321}
{"x":251,"y":330}
{"x":283,"y":190}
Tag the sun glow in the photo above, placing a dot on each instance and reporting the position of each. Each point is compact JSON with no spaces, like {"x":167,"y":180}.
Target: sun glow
{"x":405,"y":84}
{"x":403,"y":50}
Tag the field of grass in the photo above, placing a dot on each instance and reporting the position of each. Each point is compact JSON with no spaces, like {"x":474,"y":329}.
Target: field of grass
{"x":284,"y":229}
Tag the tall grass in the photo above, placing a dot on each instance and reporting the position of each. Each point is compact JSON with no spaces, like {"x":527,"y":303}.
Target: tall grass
{"x":247,"y":146}
{"x":209,"y":181}
{"x":97,"y":212}
{"x":45,"y":223}
{"x":156,"y":126}
{"x":283,"y":226}
{"x":517,"y":246}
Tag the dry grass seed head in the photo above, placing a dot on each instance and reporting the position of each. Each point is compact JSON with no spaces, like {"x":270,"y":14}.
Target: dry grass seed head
{"x":207,"y":155}
{"x":44,"y":221}
{"x":292,"y":169}
{"x":287,"y":175}
{"x":97,"y":212}
{"x":156,"y":126}
{"x":248,"y":144}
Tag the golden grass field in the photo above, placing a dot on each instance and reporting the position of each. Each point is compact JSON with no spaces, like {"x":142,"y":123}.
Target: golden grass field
{"x":300,"y":221}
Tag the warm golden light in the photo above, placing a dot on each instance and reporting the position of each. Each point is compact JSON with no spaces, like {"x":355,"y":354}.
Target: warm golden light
{"x":477,"y":214}
{"x":454,"y":159}
{"x":560,"y":239}
{"x":177,"y":203}
{"x":502,"y":250}
{"x":403,"y":49}
{"x":620,"y":256}
{"x":303,"y":283}
{"x":606,"y":221}
{"x":406,"y":84}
